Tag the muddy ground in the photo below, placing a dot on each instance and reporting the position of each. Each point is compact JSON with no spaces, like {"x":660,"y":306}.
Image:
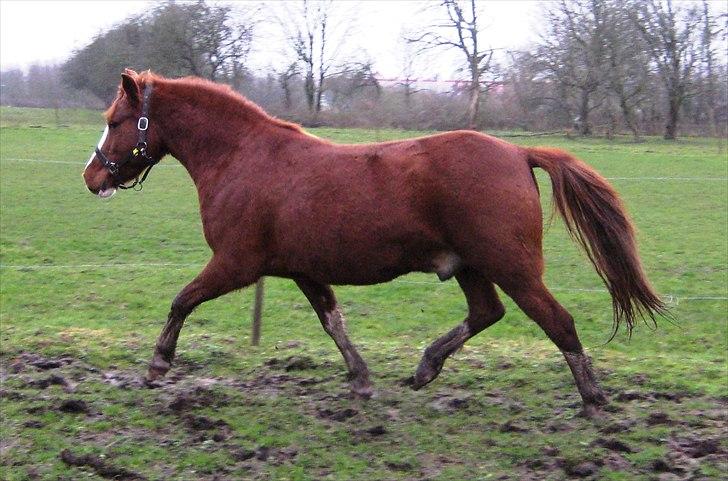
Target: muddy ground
{"x":66,"y":419}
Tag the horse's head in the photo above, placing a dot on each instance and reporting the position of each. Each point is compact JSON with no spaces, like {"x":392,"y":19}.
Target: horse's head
{"x":130,"y":144}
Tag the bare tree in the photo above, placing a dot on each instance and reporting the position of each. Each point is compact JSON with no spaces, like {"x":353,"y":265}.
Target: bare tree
{"x":315,"y":36}
{"x":462,"y":31}
{"x":407,"y":80}
{"x":285,"y":79}
{"x":573,"y":53}
{"x":669,"y":32}
{"x":710,"y":30}
{"x":627,"y":63}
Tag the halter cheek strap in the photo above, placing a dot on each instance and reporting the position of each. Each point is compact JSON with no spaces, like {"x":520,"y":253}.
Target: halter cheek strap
{"x":138,"y":153}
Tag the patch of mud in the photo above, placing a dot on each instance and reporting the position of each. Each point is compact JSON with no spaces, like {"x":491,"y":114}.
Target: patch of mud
{"x":686,"y":455}
{"x":269,"y":385}
{"x":360,"y":436}
{"x":559,"y":427}
{"x":74,"y":406}
{"x":124,"y":380}
{"x":659,"y":417}
{"x":25,"y":360}
{"x":203,"y":423}
{"x":266,"y":454}
{"x":100,"y":466}
{"x":399,"y":465}
{"x":183,"y":365}
{"x":52,"y":380}
{"x":39,"y":372}
{"x":451,"y":401}
{"x":511,"y":426}
{"x":696,"y":447}
{"x":293,"y":363}
{"x":242,"y":454}
{"x":665,"y":466}
{"x":550,"y":450}
{"x":197,"y":397}
{"x":33,"y":424}
{"x":616,"y":462}
{"x":621,"y":426}
{"x":580,"y":470}
{"x":537,"y":468}
{"x":339,"y":415}
{"x":636,"y":395}
{"x":614,"y":444}
{"x":676,"y":396}
{"x":11,"y":395}
{"x":632,"y":395}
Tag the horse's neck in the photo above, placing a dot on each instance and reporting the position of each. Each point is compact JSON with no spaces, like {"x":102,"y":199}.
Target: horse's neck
{"x":204,"y":140}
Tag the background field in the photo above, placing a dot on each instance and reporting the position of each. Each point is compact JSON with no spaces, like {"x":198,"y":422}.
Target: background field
{"x":86,"y":286}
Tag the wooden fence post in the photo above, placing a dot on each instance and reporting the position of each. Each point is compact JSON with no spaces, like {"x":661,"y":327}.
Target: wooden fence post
{"x":257,"y":311}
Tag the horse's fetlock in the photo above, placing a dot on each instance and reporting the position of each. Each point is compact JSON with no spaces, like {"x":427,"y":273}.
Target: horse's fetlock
{"x":498,"y":313}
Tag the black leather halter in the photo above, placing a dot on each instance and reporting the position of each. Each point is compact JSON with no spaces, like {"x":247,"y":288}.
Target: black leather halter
{"x":138,"y":153}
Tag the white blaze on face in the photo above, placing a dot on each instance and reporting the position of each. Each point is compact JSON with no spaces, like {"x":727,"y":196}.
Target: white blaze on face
{"x":100,"y":144}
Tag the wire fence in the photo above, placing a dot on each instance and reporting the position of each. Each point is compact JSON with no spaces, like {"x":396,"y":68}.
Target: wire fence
{"x":674,"y":299}
{"x":636,"y":178}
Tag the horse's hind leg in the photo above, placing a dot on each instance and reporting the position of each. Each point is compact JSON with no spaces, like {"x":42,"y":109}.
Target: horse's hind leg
{"x":536,"y":301}
{"x":484,"y":309}
{"x":323,"y":301}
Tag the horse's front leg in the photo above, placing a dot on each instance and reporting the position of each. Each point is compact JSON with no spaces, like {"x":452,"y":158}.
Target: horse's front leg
{"x":216,"y":279}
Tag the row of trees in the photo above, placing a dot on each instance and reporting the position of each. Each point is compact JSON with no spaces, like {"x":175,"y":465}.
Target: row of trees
{"x":612,"y":54}
{"x":600,"y":66}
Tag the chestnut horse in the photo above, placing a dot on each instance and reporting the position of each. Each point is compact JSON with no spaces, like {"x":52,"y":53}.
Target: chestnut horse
{"x":276,"y":201}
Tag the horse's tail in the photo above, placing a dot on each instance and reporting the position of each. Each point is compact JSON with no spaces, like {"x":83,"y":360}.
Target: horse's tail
{"x":596,"y":218}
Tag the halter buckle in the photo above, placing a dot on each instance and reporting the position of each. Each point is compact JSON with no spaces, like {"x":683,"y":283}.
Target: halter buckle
{"x":143,"y":123}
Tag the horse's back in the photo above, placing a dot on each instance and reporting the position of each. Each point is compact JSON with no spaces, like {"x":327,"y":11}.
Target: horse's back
{"x":360,"y":214}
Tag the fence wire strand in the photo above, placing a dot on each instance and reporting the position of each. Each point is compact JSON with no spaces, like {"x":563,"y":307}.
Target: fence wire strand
{"x":669,"y":298}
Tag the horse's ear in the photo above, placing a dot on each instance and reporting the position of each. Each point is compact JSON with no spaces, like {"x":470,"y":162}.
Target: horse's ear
{"x":131,"y":72}
{"x":130,"y":88}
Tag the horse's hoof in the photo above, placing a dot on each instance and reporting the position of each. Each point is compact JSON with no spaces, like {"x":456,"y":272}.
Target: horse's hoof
{"x":156,"y":371}
{"x":592,"y":411}
{"x":425,"y":374}
{"x":363,"y":392}
{"x":415,"y":383}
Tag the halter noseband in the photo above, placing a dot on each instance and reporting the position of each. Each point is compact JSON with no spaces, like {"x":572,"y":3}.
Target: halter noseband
{"x":137,"y":153}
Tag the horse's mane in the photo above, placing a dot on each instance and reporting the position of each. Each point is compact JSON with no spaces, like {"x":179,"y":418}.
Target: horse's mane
{"x":221,"y":92}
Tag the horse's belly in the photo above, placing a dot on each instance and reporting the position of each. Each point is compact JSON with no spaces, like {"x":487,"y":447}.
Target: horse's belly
{"x":359,"y":267}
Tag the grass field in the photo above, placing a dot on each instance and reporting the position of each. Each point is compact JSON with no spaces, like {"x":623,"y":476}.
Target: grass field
{"x":86,"y":286}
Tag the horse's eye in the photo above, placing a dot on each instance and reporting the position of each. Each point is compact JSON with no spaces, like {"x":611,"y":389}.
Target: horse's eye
{"x":113,"y":125}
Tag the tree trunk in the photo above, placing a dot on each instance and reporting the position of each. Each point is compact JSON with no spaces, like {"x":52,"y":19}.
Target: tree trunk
{"x":287,"y":101}
{"x":673,"y":117}
{"x":628,"y":116}
{"x":407,"y":94}
{"x":474,"y":106}
{"x":319,"y":92}
{"x":310,"y":91}
{"x":584,"y":127}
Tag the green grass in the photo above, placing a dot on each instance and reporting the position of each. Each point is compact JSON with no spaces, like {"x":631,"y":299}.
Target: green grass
{"x":57,"y":301}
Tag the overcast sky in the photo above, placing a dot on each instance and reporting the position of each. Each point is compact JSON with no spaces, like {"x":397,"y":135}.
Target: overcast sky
{"x":35,"y":31}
